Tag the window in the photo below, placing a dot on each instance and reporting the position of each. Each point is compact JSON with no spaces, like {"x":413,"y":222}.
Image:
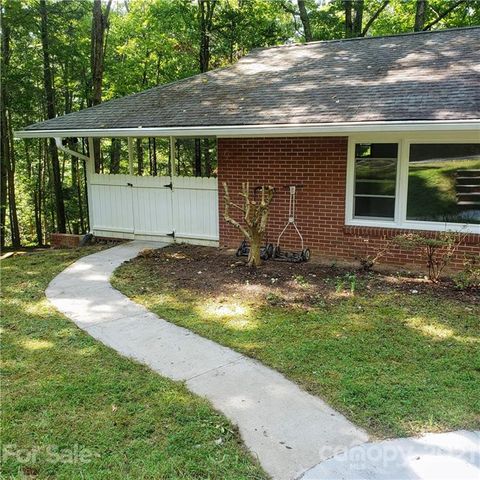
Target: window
{"x":403,"y":183}
{"x":444,"y":183}
{"x":375,"y":180}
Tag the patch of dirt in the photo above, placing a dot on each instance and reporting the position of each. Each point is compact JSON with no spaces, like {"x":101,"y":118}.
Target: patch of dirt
{"x":209,"y":270}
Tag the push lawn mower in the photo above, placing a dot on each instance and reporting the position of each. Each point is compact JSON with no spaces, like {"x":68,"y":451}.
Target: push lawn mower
{"x":266,"y":251}
{"x":291,"y":256}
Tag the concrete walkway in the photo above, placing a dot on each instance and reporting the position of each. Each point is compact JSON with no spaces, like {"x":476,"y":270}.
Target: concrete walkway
{"x":288,"y":430}
{"x":435,"y":456}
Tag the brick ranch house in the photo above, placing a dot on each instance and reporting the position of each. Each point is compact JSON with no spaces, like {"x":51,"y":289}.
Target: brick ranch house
{"x":382,"y":135}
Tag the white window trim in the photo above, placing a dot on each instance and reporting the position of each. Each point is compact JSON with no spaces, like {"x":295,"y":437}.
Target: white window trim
{"x":400,"y":221}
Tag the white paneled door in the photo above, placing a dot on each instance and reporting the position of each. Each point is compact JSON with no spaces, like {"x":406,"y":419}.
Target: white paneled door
{"x":126,"y":206}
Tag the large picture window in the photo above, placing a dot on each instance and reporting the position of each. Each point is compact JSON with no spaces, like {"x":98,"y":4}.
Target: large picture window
{"x":444,"y":183}
{"x":375,"y":180}
{"x":411,"y":184}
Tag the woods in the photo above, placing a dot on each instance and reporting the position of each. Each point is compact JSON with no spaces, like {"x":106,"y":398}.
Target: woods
{"x":60,"y":57}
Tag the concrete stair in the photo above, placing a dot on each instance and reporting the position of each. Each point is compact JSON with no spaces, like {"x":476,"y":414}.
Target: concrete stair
{"x":468,"y":188}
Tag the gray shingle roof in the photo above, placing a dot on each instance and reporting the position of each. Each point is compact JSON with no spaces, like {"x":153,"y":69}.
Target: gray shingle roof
{"x":426,"y":76}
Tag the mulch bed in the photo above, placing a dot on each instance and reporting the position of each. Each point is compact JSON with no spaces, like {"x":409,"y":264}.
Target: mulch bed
{"x":208,"y":270}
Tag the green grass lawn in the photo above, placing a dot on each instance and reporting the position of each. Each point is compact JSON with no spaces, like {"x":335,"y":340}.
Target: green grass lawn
{"x":67,"y":397}
{"x":394,"y":362}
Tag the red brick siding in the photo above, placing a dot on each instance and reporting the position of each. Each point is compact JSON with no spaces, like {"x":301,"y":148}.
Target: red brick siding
{"x":319,"y":164}
{"x":64,"y":240}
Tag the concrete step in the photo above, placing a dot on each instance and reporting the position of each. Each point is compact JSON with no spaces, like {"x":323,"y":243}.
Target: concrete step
{"x":471,"y":172}
{"x":468,"y":188}
{"x":468,"y":180}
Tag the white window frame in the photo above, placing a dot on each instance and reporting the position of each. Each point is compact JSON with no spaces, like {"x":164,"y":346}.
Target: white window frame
{"x":404,"y":141}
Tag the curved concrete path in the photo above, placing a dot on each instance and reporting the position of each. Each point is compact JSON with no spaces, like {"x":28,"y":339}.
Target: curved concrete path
{"x":288,"y":430}
{"x":435,"y":456}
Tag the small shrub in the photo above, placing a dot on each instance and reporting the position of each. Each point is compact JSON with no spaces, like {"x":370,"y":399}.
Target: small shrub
{"x":437,"y":250}
{"x":300,"y":280}
{"x":274,"y":299}
{"x":369,"y":260}
{"x":469,"y":277}
{"x":349,"y":280}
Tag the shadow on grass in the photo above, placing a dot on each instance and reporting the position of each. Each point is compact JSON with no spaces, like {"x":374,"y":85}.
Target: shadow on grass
{"x":395,"y":363}
{"x":65,"y":395}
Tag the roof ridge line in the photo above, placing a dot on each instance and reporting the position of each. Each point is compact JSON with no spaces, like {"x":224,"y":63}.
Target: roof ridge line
{"x":372,"y":37}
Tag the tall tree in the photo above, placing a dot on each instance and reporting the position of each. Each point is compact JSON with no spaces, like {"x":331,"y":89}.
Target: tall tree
{"x":348,"y":18}
{"x":50,"y":99}
{"x":97,"y":58}
{"x":206,"y":10}
{"x":7,"y":152}
{"x":307,"y":31}
{"x":420,"y":15}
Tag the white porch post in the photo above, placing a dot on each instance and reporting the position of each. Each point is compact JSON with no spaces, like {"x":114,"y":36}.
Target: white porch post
{"x":130,"y":155}
{"x":90,"y":171}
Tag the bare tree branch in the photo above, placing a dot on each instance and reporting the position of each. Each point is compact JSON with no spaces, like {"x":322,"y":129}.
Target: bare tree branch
{"x":374,"y":17}
{"x":443,"y":15}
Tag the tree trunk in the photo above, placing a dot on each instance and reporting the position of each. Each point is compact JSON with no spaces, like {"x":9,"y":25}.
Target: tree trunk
{"x":358,"y":19}
{"x":115,"y":152}
{"x":307,"y":31}
{"x":206,"y":9}
{"x":7,"y":153}
{"x":255,"y":218}
{"x":198,"y":158}
{"x":139,"y":156}
{"x":4,"y":148}
{"x":420,"y":15}
{"x":12,"y":199}
{"x":208,"y":161}
{"x":50,"y":98}
{"x":348,"y":18}
{"x":154,"y":158}
{"x":39,"y":196}
{"x":254,"y":254}
{"x":97,"y":57}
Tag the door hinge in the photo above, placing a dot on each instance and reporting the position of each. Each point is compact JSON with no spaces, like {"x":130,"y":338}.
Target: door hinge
{"x":169,"y":185}
{"x":171,"y":234}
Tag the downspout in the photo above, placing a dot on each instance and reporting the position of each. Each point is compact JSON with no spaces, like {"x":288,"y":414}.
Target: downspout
{"x":88,"y":164}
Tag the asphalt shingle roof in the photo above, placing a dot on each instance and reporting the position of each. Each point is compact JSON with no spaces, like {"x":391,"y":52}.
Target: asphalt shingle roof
{"x":426,"y":76}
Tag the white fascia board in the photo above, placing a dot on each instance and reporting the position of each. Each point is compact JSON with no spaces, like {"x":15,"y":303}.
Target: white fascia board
{"x":261,"y":130}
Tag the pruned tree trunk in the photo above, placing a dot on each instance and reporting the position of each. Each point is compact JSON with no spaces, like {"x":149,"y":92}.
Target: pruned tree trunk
{"x":307,"y":31}
{"x":255,"y":218}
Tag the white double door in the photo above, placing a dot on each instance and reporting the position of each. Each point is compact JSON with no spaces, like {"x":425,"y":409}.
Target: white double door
{"x":181,"y":207}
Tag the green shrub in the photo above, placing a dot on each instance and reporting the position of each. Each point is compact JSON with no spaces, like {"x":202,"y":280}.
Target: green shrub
{"x":469,"y":277}
{"x":437,"y":249}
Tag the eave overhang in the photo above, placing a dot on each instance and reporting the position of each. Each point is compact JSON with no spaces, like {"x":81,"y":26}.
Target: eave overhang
{"x":273,"y":130}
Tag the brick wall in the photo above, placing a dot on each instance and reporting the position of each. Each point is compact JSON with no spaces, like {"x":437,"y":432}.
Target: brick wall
{"x":319,"y":164}
{"x":64,"y":240}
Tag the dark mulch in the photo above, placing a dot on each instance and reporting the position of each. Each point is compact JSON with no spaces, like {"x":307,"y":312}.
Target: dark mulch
{"x":217,"y":270}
